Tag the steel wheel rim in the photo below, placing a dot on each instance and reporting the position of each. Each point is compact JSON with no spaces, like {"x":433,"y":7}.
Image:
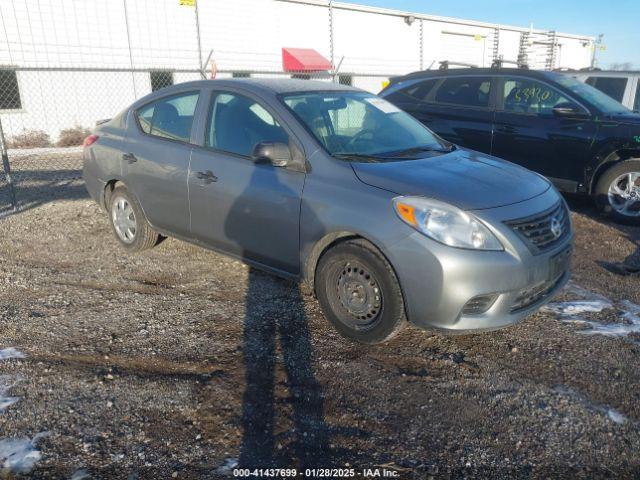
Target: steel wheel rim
{"x":359,"y":295}
{"x":624,"y":194}
{"x":124,"y":219}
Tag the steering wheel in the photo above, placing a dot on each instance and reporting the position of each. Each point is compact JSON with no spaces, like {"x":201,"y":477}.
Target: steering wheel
{"x":360,"y":136}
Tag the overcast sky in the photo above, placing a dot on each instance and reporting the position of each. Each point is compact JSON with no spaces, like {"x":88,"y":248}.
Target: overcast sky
{"x":617,"y":19}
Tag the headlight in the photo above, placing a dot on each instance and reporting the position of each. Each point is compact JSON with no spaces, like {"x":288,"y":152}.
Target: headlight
{"x":445,"y":223}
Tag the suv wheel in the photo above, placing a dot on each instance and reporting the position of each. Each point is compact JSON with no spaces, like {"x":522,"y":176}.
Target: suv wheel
{"x":618,"y":191}
{"x":359,"y":292}
{"x":128,"y":222}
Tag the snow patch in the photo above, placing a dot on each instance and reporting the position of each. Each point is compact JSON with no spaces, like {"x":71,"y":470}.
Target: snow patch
{"x":19,"y":455}
{"x":590,"y":302}
{"x":81,"y":474}
{"x":577,"y":307}
{"x":8,"y":353}
{"x":227,"y":467}
{"x":616,"y":416}
{"x":6,"y":383}
{"x":612,"y":414}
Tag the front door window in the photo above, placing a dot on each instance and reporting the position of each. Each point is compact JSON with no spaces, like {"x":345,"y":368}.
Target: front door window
{"x":523,"y":95}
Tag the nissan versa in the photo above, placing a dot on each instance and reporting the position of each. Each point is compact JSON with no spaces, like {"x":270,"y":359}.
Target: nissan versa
{"x":382,"y":219}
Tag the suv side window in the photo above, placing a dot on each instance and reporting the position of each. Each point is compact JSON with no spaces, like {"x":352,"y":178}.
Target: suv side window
{"x":419,"y":91}
{"x":523,"y":95}
{"x":612,"y":86}
{"x":237,"y":123}
{"x":169,"y":117}
{"x":636,"y":103}
{"x":466,"y":91}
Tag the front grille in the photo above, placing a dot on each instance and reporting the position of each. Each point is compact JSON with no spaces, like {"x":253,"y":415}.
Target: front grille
{"x":532,"y":295}
{"x":543,"y":231}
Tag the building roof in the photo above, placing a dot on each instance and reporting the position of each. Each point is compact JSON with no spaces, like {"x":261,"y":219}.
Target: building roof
{"x":428,"y":17}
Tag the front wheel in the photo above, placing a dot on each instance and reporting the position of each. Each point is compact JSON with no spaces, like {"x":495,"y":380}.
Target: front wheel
{"x":359,"y":292}
{"x":618,"y":191}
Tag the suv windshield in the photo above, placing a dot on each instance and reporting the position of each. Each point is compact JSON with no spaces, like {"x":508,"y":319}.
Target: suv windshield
{"x":359,"y":124}
{"x":602,"y":102}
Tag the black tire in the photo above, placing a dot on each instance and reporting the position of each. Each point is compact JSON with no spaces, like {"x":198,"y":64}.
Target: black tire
{"x":357,"y":266}
{"x":144,"y":237}
{"x":605,"y":182}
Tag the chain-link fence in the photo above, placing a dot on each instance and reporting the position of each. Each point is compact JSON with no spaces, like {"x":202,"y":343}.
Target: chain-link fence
{"x":46,"y":113}
{"x":65,"y":65}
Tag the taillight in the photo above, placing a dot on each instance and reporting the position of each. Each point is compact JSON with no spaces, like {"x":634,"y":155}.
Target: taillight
{"x":90,"y":140}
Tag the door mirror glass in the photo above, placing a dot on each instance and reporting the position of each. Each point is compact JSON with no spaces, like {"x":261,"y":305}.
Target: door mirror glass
{"x":277,"y":154}
{"x":568,"y":109}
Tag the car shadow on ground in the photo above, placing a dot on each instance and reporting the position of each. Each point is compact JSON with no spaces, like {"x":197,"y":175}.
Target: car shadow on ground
{"x":283,"y":319}
{"x":283,"y":404}
{"x":631,"y":264}
{"x":34,"y":188}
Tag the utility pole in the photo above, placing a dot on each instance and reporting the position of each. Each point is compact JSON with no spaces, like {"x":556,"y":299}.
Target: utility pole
{"x":597,"y":45}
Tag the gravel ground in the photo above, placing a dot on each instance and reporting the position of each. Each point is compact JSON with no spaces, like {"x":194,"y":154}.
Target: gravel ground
{"x":178,"y":362}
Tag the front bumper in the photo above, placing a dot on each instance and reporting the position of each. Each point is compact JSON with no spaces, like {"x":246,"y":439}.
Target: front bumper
{"x":438,"y":281}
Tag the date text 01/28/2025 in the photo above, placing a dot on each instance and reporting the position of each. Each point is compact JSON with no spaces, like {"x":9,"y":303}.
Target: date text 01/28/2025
{"x":315,"y":473}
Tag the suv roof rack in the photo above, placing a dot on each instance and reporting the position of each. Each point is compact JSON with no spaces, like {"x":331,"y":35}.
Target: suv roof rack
{"x":444,"y":65}
{"x":499,"y":62}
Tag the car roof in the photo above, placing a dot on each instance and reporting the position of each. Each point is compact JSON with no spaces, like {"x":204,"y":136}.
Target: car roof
{"x":273,"y":85}
{"x":457,"y":72}
{"x":602,"y":73}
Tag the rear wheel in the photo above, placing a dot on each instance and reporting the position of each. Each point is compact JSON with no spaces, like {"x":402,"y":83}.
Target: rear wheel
{"x":128,"y":222}
{"x":618,"y":191}
{"x":359,"y":292}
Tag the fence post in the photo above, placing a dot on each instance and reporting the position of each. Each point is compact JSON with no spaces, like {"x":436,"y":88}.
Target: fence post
{"x":197,"y":13}
{"x":331,"y":50}
{"x":126,"y":24}
{"x":421,"y":46}
{"x":7,"y":168}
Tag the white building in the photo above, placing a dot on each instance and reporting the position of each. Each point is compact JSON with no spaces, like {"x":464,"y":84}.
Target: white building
{"x":71,"y":62}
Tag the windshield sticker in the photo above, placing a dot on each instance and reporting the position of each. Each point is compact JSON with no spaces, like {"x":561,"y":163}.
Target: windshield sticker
{"x":383,"y":105}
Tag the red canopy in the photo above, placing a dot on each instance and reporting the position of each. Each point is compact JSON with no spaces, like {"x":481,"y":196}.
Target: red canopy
{"x":303,"y":60}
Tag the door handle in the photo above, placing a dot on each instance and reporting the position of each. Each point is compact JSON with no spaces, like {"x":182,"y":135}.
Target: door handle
{"x":506,"y":129}
{"x":129,"y":157}
{"x":207,"y":176}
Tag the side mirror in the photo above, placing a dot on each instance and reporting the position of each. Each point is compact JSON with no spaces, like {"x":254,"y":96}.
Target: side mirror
{"x":277,"y":154}
{"x":569,"y":110}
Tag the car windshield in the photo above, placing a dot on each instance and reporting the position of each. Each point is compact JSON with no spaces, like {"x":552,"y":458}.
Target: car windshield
{"x":601,"y":101}
{"x":359,"y":125}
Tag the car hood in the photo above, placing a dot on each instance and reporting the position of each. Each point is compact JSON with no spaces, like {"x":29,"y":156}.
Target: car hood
{"x":464,"y":178}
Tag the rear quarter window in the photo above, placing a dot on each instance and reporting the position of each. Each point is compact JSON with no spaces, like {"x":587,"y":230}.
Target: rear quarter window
{"x":169,"y":117}
{"x":465,"y":91}
{"x":420,"y":90}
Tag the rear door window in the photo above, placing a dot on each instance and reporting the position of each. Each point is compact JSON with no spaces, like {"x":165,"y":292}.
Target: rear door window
{"x":523,"y":95}
{"x":636,"y":103}
{"x":466,"y":91}
{"x":419,"y":91}
{"x":169,"y":117}
{"x":612,"y":86}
